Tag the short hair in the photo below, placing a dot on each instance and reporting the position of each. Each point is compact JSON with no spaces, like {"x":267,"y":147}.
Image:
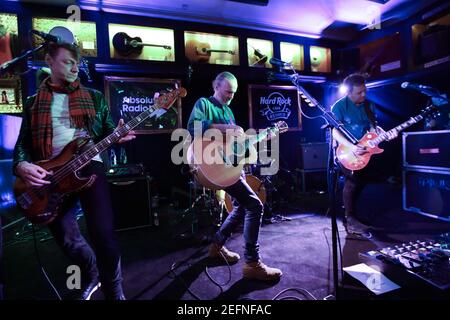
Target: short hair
{"x":52,"y":49}
{"x":223,"y":75}
{"x":354,"y":80}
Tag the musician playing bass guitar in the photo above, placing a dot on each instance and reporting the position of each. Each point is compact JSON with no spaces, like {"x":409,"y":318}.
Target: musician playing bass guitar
{"x":358,"y":117}
{"x":214,"y":113}
{"x":61,"y":111}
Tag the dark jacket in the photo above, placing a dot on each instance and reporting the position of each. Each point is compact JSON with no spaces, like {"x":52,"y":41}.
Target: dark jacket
{"x":102,"y":127}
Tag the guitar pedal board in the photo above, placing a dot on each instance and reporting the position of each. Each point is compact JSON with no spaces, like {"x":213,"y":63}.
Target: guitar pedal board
{"x":428,"y":260}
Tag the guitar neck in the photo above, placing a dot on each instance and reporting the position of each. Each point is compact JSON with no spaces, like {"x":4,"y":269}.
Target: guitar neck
{"x":81,"y":160}
{"x":135,"y":43}
{"x":401,"y":127}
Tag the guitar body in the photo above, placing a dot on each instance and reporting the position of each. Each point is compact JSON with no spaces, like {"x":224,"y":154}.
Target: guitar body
{"x":41,"y":205}
{"x":123,"y":43}
{"x":198,"y":52}
{"x":352,"y":161}
{"x":205,"y":160}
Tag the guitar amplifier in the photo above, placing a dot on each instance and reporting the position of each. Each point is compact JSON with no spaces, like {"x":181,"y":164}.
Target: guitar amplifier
{"x":427,"y":192}
{"x":427,"y":150}
{"x":313,"y":155}
{"x":126,"y":170}
{"x":131,"y":202}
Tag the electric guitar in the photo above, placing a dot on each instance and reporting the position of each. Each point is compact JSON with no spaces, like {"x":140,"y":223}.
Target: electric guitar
{"x":370,"y":141}
{"x":218,"y":164}
{"x":42,"y":204}
{"x":200,"y":52}
{"x":127,"y":45}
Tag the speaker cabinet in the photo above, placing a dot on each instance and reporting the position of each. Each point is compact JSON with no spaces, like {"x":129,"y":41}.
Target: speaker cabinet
{"x":131,"y":201}
{"x":427,"y":192}
{"x":426,"y":150}
{"x":313,"y":155}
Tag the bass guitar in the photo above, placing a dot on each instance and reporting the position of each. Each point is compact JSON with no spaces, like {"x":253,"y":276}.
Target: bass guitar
{"x":42,"y":204}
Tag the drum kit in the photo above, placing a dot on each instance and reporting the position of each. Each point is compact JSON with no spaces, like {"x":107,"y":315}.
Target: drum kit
{"x":218,"y":204}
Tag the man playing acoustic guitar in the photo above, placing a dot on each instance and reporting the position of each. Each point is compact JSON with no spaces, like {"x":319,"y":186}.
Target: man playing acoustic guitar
{"x":214,"y":113}
{"x":358,"y":117}
{"x":61,"y":111}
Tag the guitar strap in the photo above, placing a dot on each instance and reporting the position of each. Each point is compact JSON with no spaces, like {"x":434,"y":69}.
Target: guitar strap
{"x":369,"y":112}
{"x":370,"y":115}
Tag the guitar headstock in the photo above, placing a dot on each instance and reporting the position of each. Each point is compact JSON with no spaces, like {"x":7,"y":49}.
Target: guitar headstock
{"x":166,"y":100}
{"x":431,"y":110}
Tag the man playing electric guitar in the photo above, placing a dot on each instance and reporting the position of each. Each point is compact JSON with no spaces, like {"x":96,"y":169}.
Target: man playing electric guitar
{"x":61,"y":111}
{"x":358,"y":117}
{"x":214,"y":113}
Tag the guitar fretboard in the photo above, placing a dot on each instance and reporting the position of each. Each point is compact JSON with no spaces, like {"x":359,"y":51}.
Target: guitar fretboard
{"x":403,"y":126}
{"x":115,"y":136}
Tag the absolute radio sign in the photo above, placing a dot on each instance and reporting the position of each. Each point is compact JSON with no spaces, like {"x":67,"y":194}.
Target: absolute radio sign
{"x":128,"y":97}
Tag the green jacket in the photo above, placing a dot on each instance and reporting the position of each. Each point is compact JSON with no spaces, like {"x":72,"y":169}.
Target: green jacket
{"x":102,"y":127}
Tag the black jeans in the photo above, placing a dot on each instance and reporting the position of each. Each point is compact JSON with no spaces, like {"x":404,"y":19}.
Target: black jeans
{"x":247,"y":207}
{"x":355,"y":181}
{"x":96,"y":204}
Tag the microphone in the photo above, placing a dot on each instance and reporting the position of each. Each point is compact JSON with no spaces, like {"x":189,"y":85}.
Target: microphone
{"x":279,"y":63}
{"x":47,"y":36}
{"x":407,"y":85}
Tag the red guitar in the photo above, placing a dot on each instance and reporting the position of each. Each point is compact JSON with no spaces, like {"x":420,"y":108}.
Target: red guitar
{"x":42,"y":204}
{"x":371,"y":141}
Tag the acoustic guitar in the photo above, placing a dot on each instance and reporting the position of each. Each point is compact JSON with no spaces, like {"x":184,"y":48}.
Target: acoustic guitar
{"x":42,"y":204}
{"x":126,"y":45}
{"x":200,"y":52}
{"x":218,"y":164}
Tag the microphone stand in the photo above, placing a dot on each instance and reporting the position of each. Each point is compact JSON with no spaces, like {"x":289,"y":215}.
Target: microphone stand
{"x":9,"y":64}
{"x":332,"y":123}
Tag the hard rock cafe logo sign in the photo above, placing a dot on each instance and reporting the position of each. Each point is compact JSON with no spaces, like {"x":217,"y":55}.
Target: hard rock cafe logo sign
{"x":275,"y":106}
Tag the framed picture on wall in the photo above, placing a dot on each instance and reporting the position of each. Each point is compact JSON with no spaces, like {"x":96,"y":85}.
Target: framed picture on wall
{"x":128,"y":97}
{"x":208,"y":48}
{"x":10,"y":96}
{"x":9,"y":41}
{"x":141,"y":43}
{"x":269,"y":104}
{"x":85,"y":33}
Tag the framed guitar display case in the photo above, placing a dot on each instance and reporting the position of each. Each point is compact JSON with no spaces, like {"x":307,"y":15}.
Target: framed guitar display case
{"x":259,"y":53}
{"x":207,"y":48}
{"x":141,"y":43}
{"x":85,"y":34}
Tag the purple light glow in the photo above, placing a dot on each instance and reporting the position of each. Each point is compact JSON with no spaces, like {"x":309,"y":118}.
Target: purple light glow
{"x":9,"y":131}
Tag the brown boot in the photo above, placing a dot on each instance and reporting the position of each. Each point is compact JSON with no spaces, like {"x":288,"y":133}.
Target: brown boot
{"x":221,"y":252}
{"x":258,"y":270}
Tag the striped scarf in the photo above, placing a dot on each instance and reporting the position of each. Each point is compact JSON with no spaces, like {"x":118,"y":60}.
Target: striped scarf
{"x":81,"y":110}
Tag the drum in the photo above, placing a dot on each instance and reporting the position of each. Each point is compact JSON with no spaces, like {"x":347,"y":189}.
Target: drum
{"x":255,"y":184}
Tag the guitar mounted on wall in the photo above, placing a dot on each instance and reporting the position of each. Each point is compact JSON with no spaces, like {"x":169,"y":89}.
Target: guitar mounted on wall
{"x":228,"y":158}
{"x":126,"y":45}
{"x":200,"y":52}
{"x":260,"y":58}
{"x":43,"y":204}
